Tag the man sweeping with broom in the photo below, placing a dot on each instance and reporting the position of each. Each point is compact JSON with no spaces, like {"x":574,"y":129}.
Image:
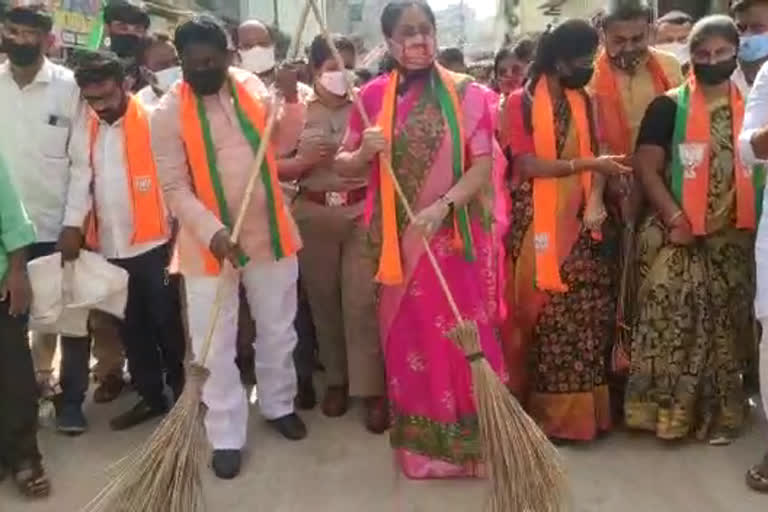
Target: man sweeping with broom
{"x":205,"y":133}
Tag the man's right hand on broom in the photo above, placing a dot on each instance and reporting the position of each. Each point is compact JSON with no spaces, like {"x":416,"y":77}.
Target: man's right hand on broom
{"x":222,"y":248}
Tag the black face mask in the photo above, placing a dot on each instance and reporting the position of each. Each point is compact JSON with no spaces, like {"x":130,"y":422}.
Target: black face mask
{"x":207,"y":81}
{"x":22,"y":54}
{"x":124,"y":45}
{"x":629,"y":60}
{"x":715,"y":74}
{"x":578,"y":78}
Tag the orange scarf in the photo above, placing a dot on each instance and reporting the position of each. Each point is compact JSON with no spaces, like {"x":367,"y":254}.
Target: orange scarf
{"x":201,"y":154}
{"x":545,"y":190}
{"x":613,"y":118}
{"x":149,"y":218}
{"x":390,"y":271}
{"x":691,"y":186}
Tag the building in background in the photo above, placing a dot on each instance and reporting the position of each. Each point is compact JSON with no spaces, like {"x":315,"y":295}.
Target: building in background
{"x":75,"y":22}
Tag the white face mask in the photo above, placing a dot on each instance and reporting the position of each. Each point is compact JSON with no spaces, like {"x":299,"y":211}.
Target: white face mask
{"x":258,"y":59}
{"x":679,"y":50}
{"x":167,"y":77}
{"x":334,"y":82}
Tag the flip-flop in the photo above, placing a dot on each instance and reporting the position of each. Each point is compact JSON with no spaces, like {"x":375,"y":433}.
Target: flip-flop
{"x":757,"y":477}
{"x":31,"y":479}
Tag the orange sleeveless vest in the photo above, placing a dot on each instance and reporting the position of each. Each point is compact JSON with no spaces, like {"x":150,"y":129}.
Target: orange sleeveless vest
{"x":149,"y":216}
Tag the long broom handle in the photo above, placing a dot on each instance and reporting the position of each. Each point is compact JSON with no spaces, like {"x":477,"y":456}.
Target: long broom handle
{"x":295,"y":47}
{"x":250,"y":187}
{"x":403,"y":199}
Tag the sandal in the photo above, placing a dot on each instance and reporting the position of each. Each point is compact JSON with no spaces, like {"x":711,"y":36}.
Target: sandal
{"x":31,"y":479}
{"x":757,"y":477}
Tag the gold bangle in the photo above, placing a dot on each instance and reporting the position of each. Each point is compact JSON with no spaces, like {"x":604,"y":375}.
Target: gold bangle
{"x":676,"y":216}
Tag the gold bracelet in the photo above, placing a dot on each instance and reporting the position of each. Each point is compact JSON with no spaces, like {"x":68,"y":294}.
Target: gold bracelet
{"x":573,"y":166}
{"x":676,"y":216}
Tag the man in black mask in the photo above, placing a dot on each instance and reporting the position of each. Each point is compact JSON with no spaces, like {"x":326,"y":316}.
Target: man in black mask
{"x":126,"y":25}
{"x":40,"y":106}
{"x":215,"y":143}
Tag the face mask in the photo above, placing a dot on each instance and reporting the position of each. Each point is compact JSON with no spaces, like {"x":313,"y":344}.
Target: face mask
{"x":258,"y":59}
{"x":679,"y":50}
{"x":167,"y":77}
{"x":124,"y":45}
{"x":628,"y":61}
{"x":334,"y":82}
{"x":22,"y":54}
{"x":415,"y":53}
{"x":753,"y":48}
{"x":207,"y":81}
{"x":578,"y":78}
{"x":715,"y":74}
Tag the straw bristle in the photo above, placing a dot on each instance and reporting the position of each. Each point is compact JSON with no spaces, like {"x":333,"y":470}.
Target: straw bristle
{"x":164,"y":474}
{"x":525,"y":469}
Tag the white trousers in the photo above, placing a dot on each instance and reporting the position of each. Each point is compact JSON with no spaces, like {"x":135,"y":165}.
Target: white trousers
{"x":271,"y":291}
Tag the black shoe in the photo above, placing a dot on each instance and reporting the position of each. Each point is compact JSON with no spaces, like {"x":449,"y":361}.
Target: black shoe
{"x":226,"y":463}
{"x":291,"y":427}
{"x":306,"y":397}
{"x":140,"y":413}
{"x":70,"y":419}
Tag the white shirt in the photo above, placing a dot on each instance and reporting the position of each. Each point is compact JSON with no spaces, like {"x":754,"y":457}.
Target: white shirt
{"x":755,"y":118}
{"x":111,"y":192}
{"x":741,"y":81}
{"x":148,"y":97}
{"x":35,"y":133}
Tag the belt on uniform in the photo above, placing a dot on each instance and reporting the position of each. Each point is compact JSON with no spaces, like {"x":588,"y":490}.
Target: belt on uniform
{"x":346,"y":198}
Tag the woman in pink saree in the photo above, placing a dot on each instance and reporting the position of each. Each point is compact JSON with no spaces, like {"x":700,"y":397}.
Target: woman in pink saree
{"x":435,"y":432}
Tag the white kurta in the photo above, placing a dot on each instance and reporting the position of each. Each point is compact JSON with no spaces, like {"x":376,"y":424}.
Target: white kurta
{"x":755,"y":118}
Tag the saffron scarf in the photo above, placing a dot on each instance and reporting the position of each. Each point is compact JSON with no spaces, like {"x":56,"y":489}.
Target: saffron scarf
{"x":390,"y":270}
{"x":690,"y":187}
{"x":201,"y":153}
{"x":613,"y":117}
{"x":149,"y":218}
{"x":545,"y":190}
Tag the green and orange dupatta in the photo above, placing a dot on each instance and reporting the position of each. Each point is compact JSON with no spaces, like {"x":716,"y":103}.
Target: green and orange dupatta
{"x":390,"y":271}
{"x":201,"y":154}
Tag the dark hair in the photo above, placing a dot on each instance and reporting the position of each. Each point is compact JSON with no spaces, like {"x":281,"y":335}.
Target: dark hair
{"x":35,"y":16}
{"x":740,"y":6}
{"x":150,"y":42}
{"x":523,"y":50}
{"x":569,"y":40}
{"x":387,"y":64}
{"x":93,"y":67}
{"x":717,"y":25}
{"x":451,"y":55}
{"x":363,"y":76}
{"x":625,"y":10}
{"x":319,"y":51}
{"x":675,"y":18}
{"x":391,"y":14}
{"x":127,"y":12}
{"x":203,"y":28}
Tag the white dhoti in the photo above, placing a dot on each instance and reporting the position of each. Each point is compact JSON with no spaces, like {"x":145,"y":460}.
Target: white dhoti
{"x":271,"y":291}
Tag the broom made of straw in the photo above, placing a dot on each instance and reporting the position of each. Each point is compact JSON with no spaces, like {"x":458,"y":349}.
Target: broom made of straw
{"x":164,"y":474}
{"x":525,"y":469}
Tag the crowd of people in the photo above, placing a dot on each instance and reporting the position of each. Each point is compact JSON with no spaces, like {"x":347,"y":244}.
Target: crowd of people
{"x":595,"y":208}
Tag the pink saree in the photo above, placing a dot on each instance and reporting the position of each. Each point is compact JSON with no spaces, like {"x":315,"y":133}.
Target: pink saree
{"x":435,"y":431}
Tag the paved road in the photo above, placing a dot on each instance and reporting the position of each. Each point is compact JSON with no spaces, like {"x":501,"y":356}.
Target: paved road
{"x":341,"y":468}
